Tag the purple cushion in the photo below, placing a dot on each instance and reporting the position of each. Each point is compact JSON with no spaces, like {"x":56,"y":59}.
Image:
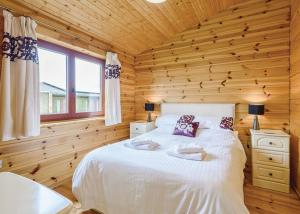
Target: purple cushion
{"x":186,"y":118}
{"x":227,"y":123}
{"x":186,"y":127}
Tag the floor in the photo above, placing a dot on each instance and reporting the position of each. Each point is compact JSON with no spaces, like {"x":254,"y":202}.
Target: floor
{"x":258,"y":200}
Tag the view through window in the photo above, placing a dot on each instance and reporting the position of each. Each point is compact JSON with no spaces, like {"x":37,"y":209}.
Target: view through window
{"x":71,"y":83}
{"x":87,"y":86}
{"x":53,"y":82}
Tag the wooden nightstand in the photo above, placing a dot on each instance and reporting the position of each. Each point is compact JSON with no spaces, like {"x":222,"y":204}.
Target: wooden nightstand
{"x":140,"y":127}
{"x":271,"y":159}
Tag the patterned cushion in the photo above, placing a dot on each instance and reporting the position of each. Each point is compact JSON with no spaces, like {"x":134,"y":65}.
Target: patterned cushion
{"x":227,"y":123}
{"x":186,"y":127}
{"x":186,"y":119}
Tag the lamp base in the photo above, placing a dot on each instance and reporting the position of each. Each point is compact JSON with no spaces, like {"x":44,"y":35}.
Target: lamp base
{"x":149,"y":119}
{"x":255,"y":123}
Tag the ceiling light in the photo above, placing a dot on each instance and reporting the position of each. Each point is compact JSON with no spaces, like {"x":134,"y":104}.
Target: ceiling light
{"x":156,"y":1}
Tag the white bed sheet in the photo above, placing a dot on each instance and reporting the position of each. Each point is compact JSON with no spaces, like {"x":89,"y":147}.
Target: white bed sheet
{"x":115,"y":179}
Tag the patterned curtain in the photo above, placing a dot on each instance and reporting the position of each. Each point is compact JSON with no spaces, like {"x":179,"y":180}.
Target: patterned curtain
{"x":112,"y":90}
{"x":19,"y":86}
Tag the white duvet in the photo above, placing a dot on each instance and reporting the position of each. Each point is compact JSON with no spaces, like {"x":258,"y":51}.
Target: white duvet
{"x":115,"y":179}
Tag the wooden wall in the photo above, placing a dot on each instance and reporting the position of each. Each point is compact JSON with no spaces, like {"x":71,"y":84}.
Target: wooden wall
{"x":295,"y":92}
{"x":239,"y":56}
{"x":134,"y":25}
{"x":52,"y":157}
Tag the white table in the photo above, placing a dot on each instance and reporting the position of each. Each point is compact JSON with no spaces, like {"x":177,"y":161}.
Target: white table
{"x":20,"y":195}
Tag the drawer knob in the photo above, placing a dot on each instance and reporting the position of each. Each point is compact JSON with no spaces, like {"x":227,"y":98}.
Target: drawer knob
{"x":270,"y":158}
{"x":136,"y":128}
{"x":270,"y":143}
{"x":270,"y":174}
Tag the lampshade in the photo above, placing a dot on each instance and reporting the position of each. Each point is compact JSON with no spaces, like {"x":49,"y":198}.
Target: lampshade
{"x":149,"y":106}
{"x":256,"y":109}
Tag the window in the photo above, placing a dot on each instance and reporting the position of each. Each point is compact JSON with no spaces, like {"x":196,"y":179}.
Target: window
{"x":53,"y":82}
{"x":71,"y":83}
{"x":87,"y":95}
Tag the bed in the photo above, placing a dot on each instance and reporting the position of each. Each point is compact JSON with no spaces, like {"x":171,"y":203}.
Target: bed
{"x":115,"y":179}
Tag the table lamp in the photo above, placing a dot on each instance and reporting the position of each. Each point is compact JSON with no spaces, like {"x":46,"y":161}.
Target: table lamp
{"x":256,"y":109}
{"x":149,"y":107}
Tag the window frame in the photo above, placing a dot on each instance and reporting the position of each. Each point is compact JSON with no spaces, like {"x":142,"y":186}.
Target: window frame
{"x":70,"y":81}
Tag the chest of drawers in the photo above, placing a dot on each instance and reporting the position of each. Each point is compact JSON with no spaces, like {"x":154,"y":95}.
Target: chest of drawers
{"x":271,"y":159}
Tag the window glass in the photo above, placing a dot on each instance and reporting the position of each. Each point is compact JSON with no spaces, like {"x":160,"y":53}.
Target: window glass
{"x":87,"y":86}
{"x":53,"y":82}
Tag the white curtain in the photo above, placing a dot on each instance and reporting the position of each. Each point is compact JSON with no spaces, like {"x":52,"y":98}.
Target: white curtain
{"x":19,"y":86}
{"x":112,"y":90}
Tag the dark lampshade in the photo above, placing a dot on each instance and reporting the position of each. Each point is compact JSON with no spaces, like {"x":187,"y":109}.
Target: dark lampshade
{"x":149,"y":106}
{"x":256,"y":109}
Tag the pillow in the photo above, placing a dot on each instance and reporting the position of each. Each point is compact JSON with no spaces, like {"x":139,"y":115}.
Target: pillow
{"x":186,"y":118}
{"x":205,"y":122}
{"x":227,"y":123}
{"x":185,"y":126}
{"x":167,"y":120}
{"x":166,"y":129}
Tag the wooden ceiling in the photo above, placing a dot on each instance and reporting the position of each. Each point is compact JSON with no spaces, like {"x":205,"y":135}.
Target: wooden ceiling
{"x":131,"y":25}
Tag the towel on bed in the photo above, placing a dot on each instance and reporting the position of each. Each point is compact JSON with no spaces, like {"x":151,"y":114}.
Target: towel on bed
{"x":142,"y":145}
{"x":189,"y":152}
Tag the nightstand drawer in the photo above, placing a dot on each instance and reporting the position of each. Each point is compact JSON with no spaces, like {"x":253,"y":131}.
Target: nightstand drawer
{"x":279,"y":159}
{"x":280,"y":175}
{"x":271,"y":185}
{"x":138,"y":128}
{"x":271,"y":143}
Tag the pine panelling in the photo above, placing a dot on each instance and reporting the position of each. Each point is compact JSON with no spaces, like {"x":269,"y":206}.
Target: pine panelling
{"x":52,"y":157}
{"x":132,"y":25}
{"x":66,"y":34}
{"x":295,"y":92}
{"x":239,"y":56}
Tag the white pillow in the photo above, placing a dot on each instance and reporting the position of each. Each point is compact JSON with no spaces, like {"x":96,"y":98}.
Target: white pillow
{"x":205,"y":122}
{"x":208,"y":122}
{"x":168,"y":129}
{"x":167,"y":120}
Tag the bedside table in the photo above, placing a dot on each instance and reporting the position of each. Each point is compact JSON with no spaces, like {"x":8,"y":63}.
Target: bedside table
{"x":271,"y":159}
{"x":140,"y":127}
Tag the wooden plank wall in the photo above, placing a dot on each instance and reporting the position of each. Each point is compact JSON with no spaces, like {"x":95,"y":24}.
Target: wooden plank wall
{"x":52,"y":157}
{"x":239,"y":56}
{"x":295,"y":92}
{"x":134,"y":25}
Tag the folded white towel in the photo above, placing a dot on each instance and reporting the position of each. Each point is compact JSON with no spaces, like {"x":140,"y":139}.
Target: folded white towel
{"x":142,"y":145}
{"x":189,"y":152}
{"x":137,"y":142}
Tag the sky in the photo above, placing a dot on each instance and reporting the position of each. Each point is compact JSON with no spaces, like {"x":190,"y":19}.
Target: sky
{"x":53,"y":71}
